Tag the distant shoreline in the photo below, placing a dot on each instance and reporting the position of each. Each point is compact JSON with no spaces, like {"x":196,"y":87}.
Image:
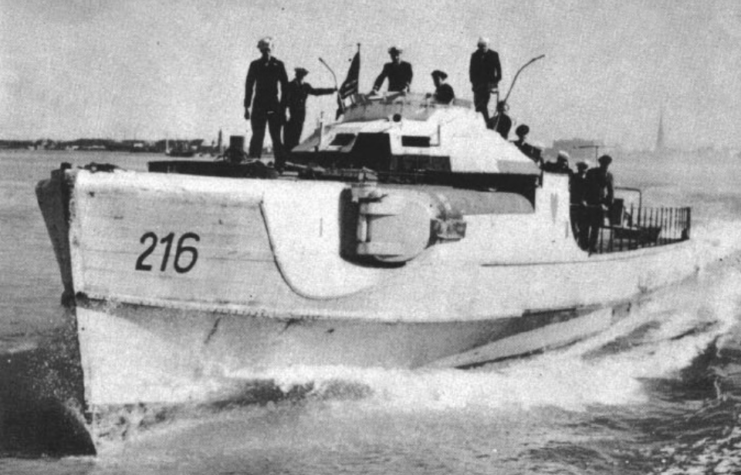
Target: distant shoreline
{"x":93,"y":144}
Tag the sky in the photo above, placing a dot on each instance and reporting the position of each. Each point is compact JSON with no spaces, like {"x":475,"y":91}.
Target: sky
{"x":150,"y":69}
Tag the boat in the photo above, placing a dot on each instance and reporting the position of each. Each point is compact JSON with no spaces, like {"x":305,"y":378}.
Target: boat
{"x":404,"y":235}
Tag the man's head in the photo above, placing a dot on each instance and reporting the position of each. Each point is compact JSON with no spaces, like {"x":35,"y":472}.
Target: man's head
{"x":582,"y":166}
{"x":483,"y":44}
{"x":604,"y":161}
{"x":265,"y":45}
{"x":395,"y":53}
{"x":438,"y":77}
{"x":522,"y":130}
{"x":301,"y":73}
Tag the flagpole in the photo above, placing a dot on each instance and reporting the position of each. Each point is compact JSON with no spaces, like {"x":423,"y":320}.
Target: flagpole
{"x":358,"y":68}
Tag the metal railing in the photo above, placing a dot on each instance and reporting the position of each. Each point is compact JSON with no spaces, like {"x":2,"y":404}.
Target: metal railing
{"x":635,"y":227}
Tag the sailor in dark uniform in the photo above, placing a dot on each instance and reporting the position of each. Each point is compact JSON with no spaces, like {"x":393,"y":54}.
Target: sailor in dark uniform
{"x":577,"y":193}
{"x":501,"y":122}
{"x":294,"y":100}
{"x":529,"y":150}
{"x":599,"y":195}
{"x":264,"y":76}
{"x":398,"y":72}
{"x":485,"y":72}
{"x":444,"y":93}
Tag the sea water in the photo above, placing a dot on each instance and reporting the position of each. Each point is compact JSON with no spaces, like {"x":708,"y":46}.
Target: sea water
{"x":658,"y":393}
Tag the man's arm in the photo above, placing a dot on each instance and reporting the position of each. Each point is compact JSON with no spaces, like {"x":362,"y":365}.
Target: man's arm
{"x":472,"y":69}
{"x":379,"y":80}
{"x":497,"y":68}
{"x":249,"y":86}
{"x":319,"y":91}
{"x":610,"y":188}
{"x":283,"y":81}
{"x":410,"y":76}
{"x":287,"y":97}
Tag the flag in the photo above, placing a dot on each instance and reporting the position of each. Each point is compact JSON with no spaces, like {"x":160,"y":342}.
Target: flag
{"x":350,"y":86}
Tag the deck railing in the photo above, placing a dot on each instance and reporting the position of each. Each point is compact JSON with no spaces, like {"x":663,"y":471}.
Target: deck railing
{"x":635,"y":227}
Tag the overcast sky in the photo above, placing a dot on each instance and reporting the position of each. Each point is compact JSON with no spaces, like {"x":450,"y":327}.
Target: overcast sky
{"x":150,"y":69}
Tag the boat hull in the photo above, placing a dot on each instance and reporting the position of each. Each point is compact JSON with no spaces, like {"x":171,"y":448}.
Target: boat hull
{"x":182,"y":283}
{"x":154,"y":355}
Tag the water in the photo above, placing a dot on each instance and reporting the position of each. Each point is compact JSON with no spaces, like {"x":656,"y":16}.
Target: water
{"x":659,"y":393}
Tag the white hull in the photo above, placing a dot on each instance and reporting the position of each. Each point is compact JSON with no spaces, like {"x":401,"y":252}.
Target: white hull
{"x":168,"y":356}
{"x":269,"y":290}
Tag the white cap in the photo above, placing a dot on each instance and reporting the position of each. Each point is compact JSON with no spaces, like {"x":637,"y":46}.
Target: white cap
{"x":483,"y":41}
{"x":562,"y":154}
{"x":586,"y":163}
{"x":265,"y":42}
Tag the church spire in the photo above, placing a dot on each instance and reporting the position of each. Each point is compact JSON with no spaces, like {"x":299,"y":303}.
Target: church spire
{"x":660,"y":135}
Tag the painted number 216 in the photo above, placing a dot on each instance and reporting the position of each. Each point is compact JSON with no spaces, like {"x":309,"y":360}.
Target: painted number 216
{"x":180,"y":263}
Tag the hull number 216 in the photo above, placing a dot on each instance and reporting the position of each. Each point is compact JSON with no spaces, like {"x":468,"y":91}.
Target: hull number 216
{"x":185,"y":256}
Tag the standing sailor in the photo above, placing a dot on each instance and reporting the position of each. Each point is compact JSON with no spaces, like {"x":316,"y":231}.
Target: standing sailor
{"x":264,"y":76}
{"x":485,"y":72}
{"x":578,"y":201}
{"x":398,"y":72}
{"x":599,"y":195}
{"x":294,"y":100}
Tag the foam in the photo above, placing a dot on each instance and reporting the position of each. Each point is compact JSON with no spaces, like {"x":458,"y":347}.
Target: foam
{"x":682,"y":321}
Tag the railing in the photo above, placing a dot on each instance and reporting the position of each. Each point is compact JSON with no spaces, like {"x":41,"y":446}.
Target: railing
{"x":634,"y":227}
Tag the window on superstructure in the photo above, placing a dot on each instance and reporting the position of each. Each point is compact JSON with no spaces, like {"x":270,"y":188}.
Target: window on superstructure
{"x":415,"y":141}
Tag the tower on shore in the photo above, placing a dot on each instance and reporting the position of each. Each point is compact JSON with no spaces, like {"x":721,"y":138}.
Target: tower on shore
{"x":660,"y":145}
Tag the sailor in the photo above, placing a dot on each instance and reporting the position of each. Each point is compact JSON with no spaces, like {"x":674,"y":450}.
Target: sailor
{"x":485,"y":72}
{"x":561,"y":165}
{"x":398,"y":72}
{"x":529,"y":150}
{"x":501,"y":122}
{"x":577,"y":193}
{"x":264,"y":76}
{"x":294,"y":101}
{"x":444,"y":93}
{"x":599,"y":195}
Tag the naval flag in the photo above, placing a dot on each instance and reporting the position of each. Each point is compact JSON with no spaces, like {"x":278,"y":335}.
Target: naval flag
{"x":350,"y":86}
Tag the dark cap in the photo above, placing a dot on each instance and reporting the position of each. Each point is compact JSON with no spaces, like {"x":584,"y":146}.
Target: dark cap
{"x":301,"y":72}
{"x":605,"y":159}
{"x":395,"y":50}
{"x":522,"y":130}
{"x":439,"y":74}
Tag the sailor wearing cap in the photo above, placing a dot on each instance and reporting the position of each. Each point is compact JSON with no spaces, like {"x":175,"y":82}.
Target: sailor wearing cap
{"x":561,"y":165}
{"x":600,"y":195}
{"x":398,"y":72}
{"x":533,"y":152}
{"x":263,"y":78}
{"x":485,"y":72}
{"x":579,"y":213}
{"x":294,"y":101}
{"x":444,"y":93}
